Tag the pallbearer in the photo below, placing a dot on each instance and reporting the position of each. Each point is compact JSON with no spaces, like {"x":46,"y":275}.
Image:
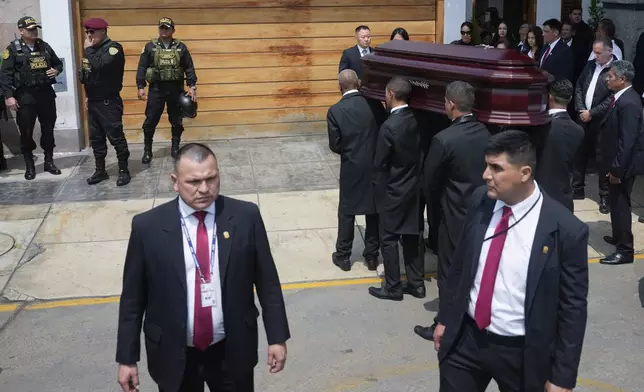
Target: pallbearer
{"x":163,"y":64}
{"x":102,"y":75}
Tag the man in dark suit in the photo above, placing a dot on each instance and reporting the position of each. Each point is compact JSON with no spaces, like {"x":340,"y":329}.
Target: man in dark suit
{"x":190,"y":267}
{"x":556,"y":57}
{"x":452,"y":171}
{"x":352,"y":57}
{"x":580,"y":49}
{"x":517,"y":305}
{"x":554,"y":169}
{"x":583,"y":33}
{"x":592,"y":98}
{"x":621,"y":141}
{"x":397,"y":165}
{"x":353,"y":132}
{"x":638,"y":63}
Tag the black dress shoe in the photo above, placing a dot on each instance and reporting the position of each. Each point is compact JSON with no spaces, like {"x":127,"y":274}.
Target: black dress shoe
{"x":426,"y":333}
{"x":372,"y":264}
{"x":418,"y":292}
{"x":342,"y":263}
{"x":609,"y":240}
{"x":617,"y":259}
{"x":603,"y":206}
{"x":383,"y":293}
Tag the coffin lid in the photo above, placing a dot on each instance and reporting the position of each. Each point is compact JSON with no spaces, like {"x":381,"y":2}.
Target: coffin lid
{"x":510,"y":87}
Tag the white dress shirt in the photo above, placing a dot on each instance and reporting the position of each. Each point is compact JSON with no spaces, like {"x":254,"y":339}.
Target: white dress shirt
{"x":350,"y":92}
{"x":398,"y":107}
{"x":593,"y":84}
{"x":360,"y":49}
{"x":552,"y":112}
{"x":620,"y":92}
{"x":617,"y":52}
{"x":508,"y":300}
{"x":217,"y":311}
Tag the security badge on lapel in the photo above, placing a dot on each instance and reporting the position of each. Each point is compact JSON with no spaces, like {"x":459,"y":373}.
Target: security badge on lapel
{"x":545,"y":250}
{"x":208,"y":298}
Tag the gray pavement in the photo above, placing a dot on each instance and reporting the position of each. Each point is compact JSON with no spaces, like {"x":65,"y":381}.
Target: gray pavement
{"x":343,"y":341}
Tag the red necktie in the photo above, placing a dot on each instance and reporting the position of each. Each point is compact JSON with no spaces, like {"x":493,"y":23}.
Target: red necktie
{"x":483,"y":310}
{"x":203,"y":333}
{"x":612,"y":103}
{"x":545,"y":56}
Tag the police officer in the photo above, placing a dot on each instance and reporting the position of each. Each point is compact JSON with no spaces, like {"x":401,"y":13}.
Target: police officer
{"x":102,"y":75}
{"x":29,"y":68}
{"x":162,"y":64}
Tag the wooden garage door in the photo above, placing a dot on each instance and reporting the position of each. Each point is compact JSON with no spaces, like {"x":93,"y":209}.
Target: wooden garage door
{"x":266,"y":67}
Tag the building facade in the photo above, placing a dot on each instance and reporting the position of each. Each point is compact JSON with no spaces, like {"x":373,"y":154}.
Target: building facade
{"x":264,"y":70}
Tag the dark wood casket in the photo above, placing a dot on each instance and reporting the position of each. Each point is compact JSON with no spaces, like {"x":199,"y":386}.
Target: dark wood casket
{"x":511,"y":90}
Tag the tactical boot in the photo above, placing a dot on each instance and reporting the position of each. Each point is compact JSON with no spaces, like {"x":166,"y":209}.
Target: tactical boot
{"x":49,"y":166}
{"x":174,"y":150}
{"x":30,"y":172}
{"x":100,"y":174}
{"x":147,"y":152}
{"x":124,"y":174}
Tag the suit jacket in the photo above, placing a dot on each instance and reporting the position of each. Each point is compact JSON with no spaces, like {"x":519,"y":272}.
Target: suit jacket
{"x":453,"y":169}
{"x":601,"y":97}
{"x":554,"y":170}
{"x":154,"y":284}
{"x":353,"y":133}
{"x":580,"y":50}
{"x":397,"y":165}
{"x":556,"y":290}
{"x":560,"y":62}
{"x":638,"y":63}
{"x":351,"y":59}
{"x":620,"y":136}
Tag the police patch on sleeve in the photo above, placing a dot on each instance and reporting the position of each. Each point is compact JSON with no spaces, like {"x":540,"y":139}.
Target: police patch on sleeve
{"x":5,"y":54}
{"x":113,"y":51}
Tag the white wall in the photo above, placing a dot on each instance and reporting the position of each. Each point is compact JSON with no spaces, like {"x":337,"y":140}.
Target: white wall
{"x":547,"y":9}
{"x":57,"y":31}
{"x":585,"y":5}
{"x":455,"y":13}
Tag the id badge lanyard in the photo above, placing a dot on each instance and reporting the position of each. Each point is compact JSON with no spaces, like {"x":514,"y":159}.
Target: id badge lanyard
{"x":194,"y":254}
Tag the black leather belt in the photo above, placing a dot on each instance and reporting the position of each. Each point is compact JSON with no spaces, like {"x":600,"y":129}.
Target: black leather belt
{"x":491,"y":337}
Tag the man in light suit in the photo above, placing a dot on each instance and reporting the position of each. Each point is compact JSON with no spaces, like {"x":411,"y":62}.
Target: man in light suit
{"x":518,"y":287}
{"x":621,"y":138}
{"x":190,"y":268}
{"x":352,"y":57}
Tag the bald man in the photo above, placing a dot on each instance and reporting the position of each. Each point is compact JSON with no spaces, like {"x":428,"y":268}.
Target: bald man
{"x":353,"y":132}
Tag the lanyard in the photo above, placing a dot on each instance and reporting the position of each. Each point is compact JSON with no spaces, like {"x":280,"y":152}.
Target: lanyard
{"x":192,"y":249}
{"x":515,"y":223}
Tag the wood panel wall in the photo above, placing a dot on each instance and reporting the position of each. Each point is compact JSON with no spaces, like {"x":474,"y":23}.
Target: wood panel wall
{"x":266,"y":67}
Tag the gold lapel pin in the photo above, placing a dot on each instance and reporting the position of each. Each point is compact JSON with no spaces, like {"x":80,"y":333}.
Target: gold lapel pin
{"x":545,"y":249}
{"x":226,"y":235}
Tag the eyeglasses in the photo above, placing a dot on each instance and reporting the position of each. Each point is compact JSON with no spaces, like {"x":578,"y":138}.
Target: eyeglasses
{"x":466,"y":32}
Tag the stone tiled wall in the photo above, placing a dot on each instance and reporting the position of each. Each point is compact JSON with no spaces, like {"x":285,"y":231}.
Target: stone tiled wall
{"x":628,"y":16}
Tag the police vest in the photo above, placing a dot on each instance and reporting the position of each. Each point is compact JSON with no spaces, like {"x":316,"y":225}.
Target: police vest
{"x":167,"y":66}
{"x":33,"y":66}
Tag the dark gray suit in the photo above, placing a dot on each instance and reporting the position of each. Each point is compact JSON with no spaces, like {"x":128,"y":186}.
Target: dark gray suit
{"x":351,"y":59}
{"x":560,"y":61}
{"x":555,"y":307}
{"x":555,"y":166}
{"x":353,"y":133}
{"x":621,"y":140}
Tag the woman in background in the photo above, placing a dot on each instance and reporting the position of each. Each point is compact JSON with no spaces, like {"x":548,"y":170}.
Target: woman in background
{"x":399,"y":34}
{"x":466,"y":35}
{"x":535,"y":43}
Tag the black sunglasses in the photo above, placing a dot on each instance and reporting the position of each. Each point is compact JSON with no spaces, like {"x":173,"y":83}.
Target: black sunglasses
{"x":466,"y":32}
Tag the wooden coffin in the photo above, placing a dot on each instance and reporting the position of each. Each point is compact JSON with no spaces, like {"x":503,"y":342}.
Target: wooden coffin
{"x":511,"y":90}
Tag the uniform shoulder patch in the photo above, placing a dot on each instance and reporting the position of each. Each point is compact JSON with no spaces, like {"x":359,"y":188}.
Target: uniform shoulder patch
{"x":113,"y":51}
{"x":5,"y":54}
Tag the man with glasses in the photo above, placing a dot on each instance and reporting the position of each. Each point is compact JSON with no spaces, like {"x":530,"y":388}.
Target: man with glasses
{"x":102,"y":76}
{"x":162,"y":65}
{"x":29,"y":69}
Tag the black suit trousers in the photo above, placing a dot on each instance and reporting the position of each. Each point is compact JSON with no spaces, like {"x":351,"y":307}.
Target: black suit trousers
{"x":346,"y":230}
{"x":445,"y":252}
{"x":588,"y":151}
{"x":210,"y":367}
{"x":414,"y":265}
{"x":478,"y":357}
{"x":620,"y":214}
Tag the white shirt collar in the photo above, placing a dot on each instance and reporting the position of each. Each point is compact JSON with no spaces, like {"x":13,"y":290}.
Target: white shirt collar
{"x":360,"y":49}
{"x":186,"y":210}
{"x":350,"y":92}
{"x":398,"y":107}
{"x":620,"y":92}
{"x":555,"y":111}
{"x":552,"y":45}
{"x":608,"y":64}
{"x":521,"y":208}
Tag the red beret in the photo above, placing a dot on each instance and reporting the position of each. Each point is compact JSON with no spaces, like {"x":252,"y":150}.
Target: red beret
{"x":95,"y":23}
